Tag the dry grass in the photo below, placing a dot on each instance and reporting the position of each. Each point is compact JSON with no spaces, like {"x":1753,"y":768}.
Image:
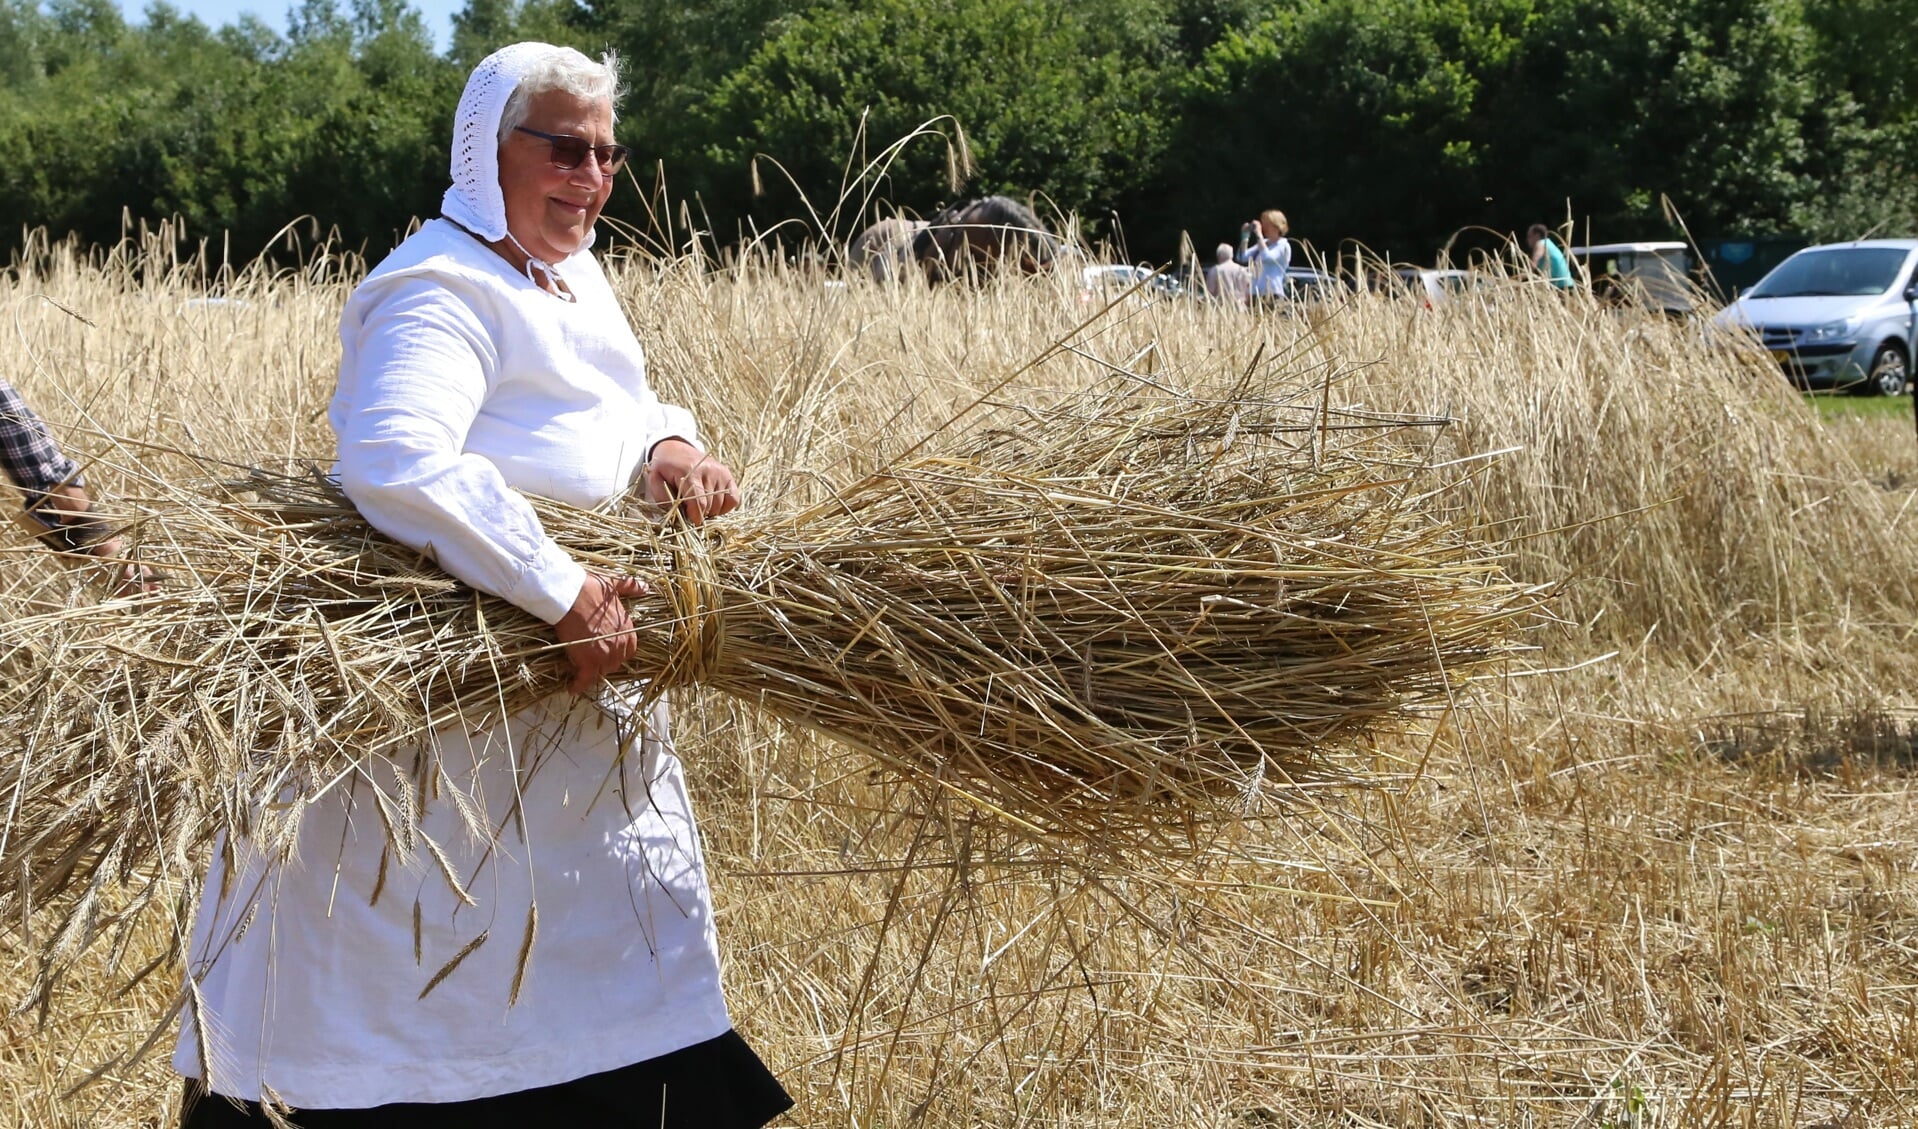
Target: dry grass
{"x":1671,"y":887}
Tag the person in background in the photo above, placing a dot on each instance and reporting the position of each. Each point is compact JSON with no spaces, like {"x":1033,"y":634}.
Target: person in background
{"x":1264,"y":248}
{"x":1547,"y":258}
{"x":487,"y":358}
{"x":1227,"y":281}
{"x":56,"y":504}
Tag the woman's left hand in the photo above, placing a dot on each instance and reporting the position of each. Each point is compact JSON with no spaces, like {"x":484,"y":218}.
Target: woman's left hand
{"x":685,"y":478}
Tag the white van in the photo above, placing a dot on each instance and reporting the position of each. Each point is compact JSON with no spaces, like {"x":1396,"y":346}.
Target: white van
{"x":1657,"y":275}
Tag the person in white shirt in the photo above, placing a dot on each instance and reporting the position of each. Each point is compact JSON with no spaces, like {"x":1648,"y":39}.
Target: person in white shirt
{"x":545,"y":953}
{"x":1264,"y":248}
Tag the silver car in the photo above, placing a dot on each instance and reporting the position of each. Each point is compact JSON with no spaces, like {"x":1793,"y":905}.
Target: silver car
{"x":1837,"y":316}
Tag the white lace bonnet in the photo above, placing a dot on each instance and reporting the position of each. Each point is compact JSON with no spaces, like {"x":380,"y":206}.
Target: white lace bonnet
{"x":474,"y":202}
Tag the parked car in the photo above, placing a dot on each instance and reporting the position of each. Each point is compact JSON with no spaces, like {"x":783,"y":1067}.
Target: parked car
{"x":1107,"y":281}
{"x":1310,"y":284}
{"x":1657,"y":275}
{"x":1837,"y":316}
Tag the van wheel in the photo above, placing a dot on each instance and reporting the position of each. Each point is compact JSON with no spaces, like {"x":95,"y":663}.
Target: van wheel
{"x":1888,"y":374}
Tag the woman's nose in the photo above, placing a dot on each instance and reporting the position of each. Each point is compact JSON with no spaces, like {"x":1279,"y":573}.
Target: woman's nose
{"x":589,"y":171}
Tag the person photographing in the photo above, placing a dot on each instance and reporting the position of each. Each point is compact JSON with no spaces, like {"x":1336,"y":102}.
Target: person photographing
{"x":1267,"y":253}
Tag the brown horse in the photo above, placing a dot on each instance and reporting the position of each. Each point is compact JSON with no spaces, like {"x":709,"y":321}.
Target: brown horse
{"x":884,"y":249}
{"x":983,"y":234}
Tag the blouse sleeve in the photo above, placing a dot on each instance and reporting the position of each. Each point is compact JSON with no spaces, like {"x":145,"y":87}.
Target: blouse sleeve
{"x":1259,"y":252}
{"x":412,"y":381}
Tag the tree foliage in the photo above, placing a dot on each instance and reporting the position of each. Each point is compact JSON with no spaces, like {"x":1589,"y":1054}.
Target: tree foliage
{"x":1393,"y":122}
{"x":237,"y":131}
{"x":841,"y":83}
{"x":1358,"y":118}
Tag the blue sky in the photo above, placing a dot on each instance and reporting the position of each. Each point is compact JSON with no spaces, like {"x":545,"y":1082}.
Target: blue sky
{"x":215,"y":13}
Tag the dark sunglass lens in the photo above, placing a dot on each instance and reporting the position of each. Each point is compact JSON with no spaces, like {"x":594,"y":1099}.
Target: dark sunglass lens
{"x":569,"y":152}
{"x":612,"y":157}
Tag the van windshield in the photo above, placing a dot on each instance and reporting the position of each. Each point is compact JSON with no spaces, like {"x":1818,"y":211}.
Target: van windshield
{"x":1852,"y":271}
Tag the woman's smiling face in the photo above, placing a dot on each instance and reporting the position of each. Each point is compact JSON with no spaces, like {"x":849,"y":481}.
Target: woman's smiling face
{"x":551,"y":210}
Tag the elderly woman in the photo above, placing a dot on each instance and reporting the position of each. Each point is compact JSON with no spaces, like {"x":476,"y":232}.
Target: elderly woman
{"x":1265,"y":250}
{"x":544,"y":954}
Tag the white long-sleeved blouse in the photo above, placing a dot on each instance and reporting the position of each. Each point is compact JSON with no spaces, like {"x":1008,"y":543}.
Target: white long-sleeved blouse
{"x":1269,"y":260}
{"x":461,"y":382}
{"x":461,"y":385}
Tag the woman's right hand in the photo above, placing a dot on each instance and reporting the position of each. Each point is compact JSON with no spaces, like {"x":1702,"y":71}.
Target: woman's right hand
{"x":596,"y":630}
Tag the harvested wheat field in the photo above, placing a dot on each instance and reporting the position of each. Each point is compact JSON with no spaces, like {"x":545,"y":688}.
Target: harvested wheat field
{"x":1645,"y":861}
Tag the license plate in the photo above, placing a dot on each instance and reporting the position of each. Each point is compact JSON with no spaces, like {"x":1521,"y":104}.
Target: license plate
{"x":1782,"y":356}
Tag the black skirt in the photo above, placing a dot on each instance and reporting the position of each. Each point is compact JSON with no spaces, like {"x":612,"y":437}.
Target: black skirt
{"x":717,"y":1084}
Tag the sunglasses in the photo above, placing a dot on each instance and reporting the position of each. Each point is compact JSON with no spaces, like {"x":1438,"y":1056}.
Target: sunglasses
{"x":570,"y":152}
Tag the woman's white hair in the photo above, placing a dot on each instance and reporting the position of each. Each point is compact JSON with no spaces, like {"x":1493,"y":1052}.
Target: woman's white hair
{"x":562,"y":68}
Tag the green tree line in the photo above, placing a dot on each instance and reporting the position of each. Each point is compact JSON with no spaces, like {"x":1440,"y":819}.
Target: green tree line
{"x":1395,"y":123}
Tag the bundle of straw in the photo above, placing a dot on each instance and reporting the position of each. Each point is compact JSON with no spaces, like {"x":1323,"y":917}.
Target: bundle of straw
{"x":1112,"y":618}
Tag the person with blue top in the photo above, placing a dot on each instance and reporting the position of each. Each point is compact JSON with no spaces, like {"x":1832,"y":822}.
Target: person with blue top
{"x":1264,"y":248}
{"x":1546,"y":257}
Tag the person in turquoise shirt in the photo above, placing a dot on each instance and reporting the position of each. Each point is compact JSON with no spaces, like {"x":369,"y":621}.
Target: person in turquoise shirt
{"x":1546,"y":256}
